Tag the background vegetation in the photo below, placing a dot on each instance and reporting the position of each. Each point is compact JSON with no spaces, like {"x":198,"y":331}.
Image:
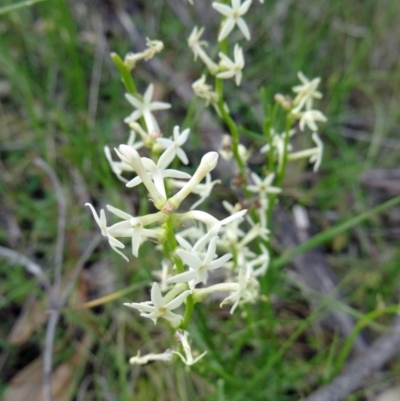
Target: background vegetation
{"x":62,"y":101}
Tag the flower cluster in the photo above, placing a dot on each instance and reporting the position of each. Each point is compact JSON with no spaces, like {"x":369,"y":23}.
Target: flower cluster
{"x":195,"y":243}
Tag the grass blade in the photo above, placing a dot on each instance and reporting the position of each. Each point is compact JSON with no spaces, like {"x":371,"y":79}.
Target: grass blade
{"x":16,"y":6}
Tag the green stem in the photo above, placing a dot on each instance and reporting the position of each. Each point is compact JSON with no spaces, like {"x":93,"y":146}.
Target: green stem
{"x":281,"y":172}
{"x":125,"y":74}
{"x":172,"y":245}
{"x":358,"y":327}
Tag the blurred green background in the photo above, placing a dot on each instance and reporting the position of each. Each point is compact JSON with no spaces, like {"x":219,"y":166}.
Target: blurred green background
{"x":61,"y":99}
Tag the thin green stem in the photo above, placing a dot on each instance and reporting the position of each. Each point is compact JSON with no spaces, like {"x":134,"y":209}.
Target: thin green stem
{"x":125,"y":74}
{"x":340,"y":360}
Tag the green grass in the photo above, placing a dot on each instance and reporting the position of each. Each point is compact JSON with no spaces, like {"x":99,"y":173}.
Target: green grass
{"x":270,"y":350}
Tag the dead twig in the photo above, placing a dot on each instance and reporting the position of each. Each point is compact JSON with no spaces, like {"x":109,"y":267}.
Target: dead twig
{"x":32,"y":267}
{"x":53,"y":294}
{"x":353,"y":376}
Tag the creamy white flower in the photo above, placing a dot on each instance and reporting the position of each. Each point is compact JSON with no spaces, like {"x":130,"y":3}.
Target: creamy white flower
{"x":197,"y":45}
{"x":188,"y":358}
{"x":234,"y":17}
{"x":314,"y":154}
{"x":199,"y":268}
{"x":278,"y":145}
{"x":204,"y":91}
{"x":153,"y":47}
{"x":145,"y":108}
{"x":176,"y":143}
{"x":263,"y":187}
{"x":210,"y":221}
{"x":131,"y":157}
{"x":306,"y":93}
{"x":134,"y":226}
{"x":203,"y":190}
{"x":157,"y":172}
{"x":160,"y":307}
{"x":232,"y":68}
{"x":309,"y":117}
{"x":208,"y":163}
{"x":143,"y":360}
{"x":102,"y":223}
{"x":235,"y":297}
{"x":261,"y":262}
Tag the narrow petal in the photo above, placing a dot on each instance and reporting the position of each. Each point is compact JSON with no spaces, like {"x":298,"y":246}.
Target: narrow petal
{"x":223,"y":9}
{"x":166,"y":158}
{"x":135,"y":102}
{"x":165,"y":142}
{"x":159,"y":106}
{"x":148,"y":95}
{"x":134,"y":182}
{"x":219,"y":262}
{"x":156,"y":296}
{"x":226,"y":74}
{"x":119,"y":212}
{"x":173,"y":318}
{"x":178,"y":301}
{"x":245,"y":7}
{"x":243,"y":27}
{"x":226,"y":29}
{"x":137,"y":234}
{"x":182,"y":277}
{"x":140,"y":306}
{"x":189,"y":259}
{"x":211,"y":251}
{"x":184,"y":136}
{"x":182,"y":156}
{"x":169,"y":173}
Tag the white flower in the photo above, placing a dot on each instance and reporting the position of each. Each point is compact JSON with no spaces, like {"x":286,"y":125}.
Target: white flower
{"x":153,"y":47}
{"x":197,"y":45}
{"x":160,"y":308}
{"x":233,"y":68}
{"x":177,"y":143}
{"x":188,"y":358}
{"x":263,"y":187}
{"x":199,"y":268}
{"x":278,"y":145}
{"x":315,"y":154}
{"x":235,"y":297}
{"x":102,"y":223}
{"x":157,"y":172}
{"x":208,"y":163}
{"x":145,"y":108}
{"x":134,"y":226}
{"x":234,"y":17}
{"x":131,"y":157}
{"x":210,"y":221}
{"x":306,"y":93}
{"x":262,"y":261}
{"x":143,"y":360}
{"x":203,"y":190}
{"x":309,"y":117}
{"x":204,"y":91}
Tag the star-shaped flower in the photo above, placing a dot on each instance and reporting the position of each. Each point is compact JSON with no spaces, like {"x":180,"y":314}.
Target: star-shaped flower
{"x":306,"y":93}
{"x":145,"y":108}
{"x":199,"y":268}
{"x":309,"y":117}
{"x":176,"y":143}
{"x":157,"y":172}
{"x":102,"y":223}
{"x":232,"y":68}
{"x":263,"y":187}
{"x":244,"y":280}
{"x":188,"y":358}
{"x":160,"y":307}
{"x":234,"y":17}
